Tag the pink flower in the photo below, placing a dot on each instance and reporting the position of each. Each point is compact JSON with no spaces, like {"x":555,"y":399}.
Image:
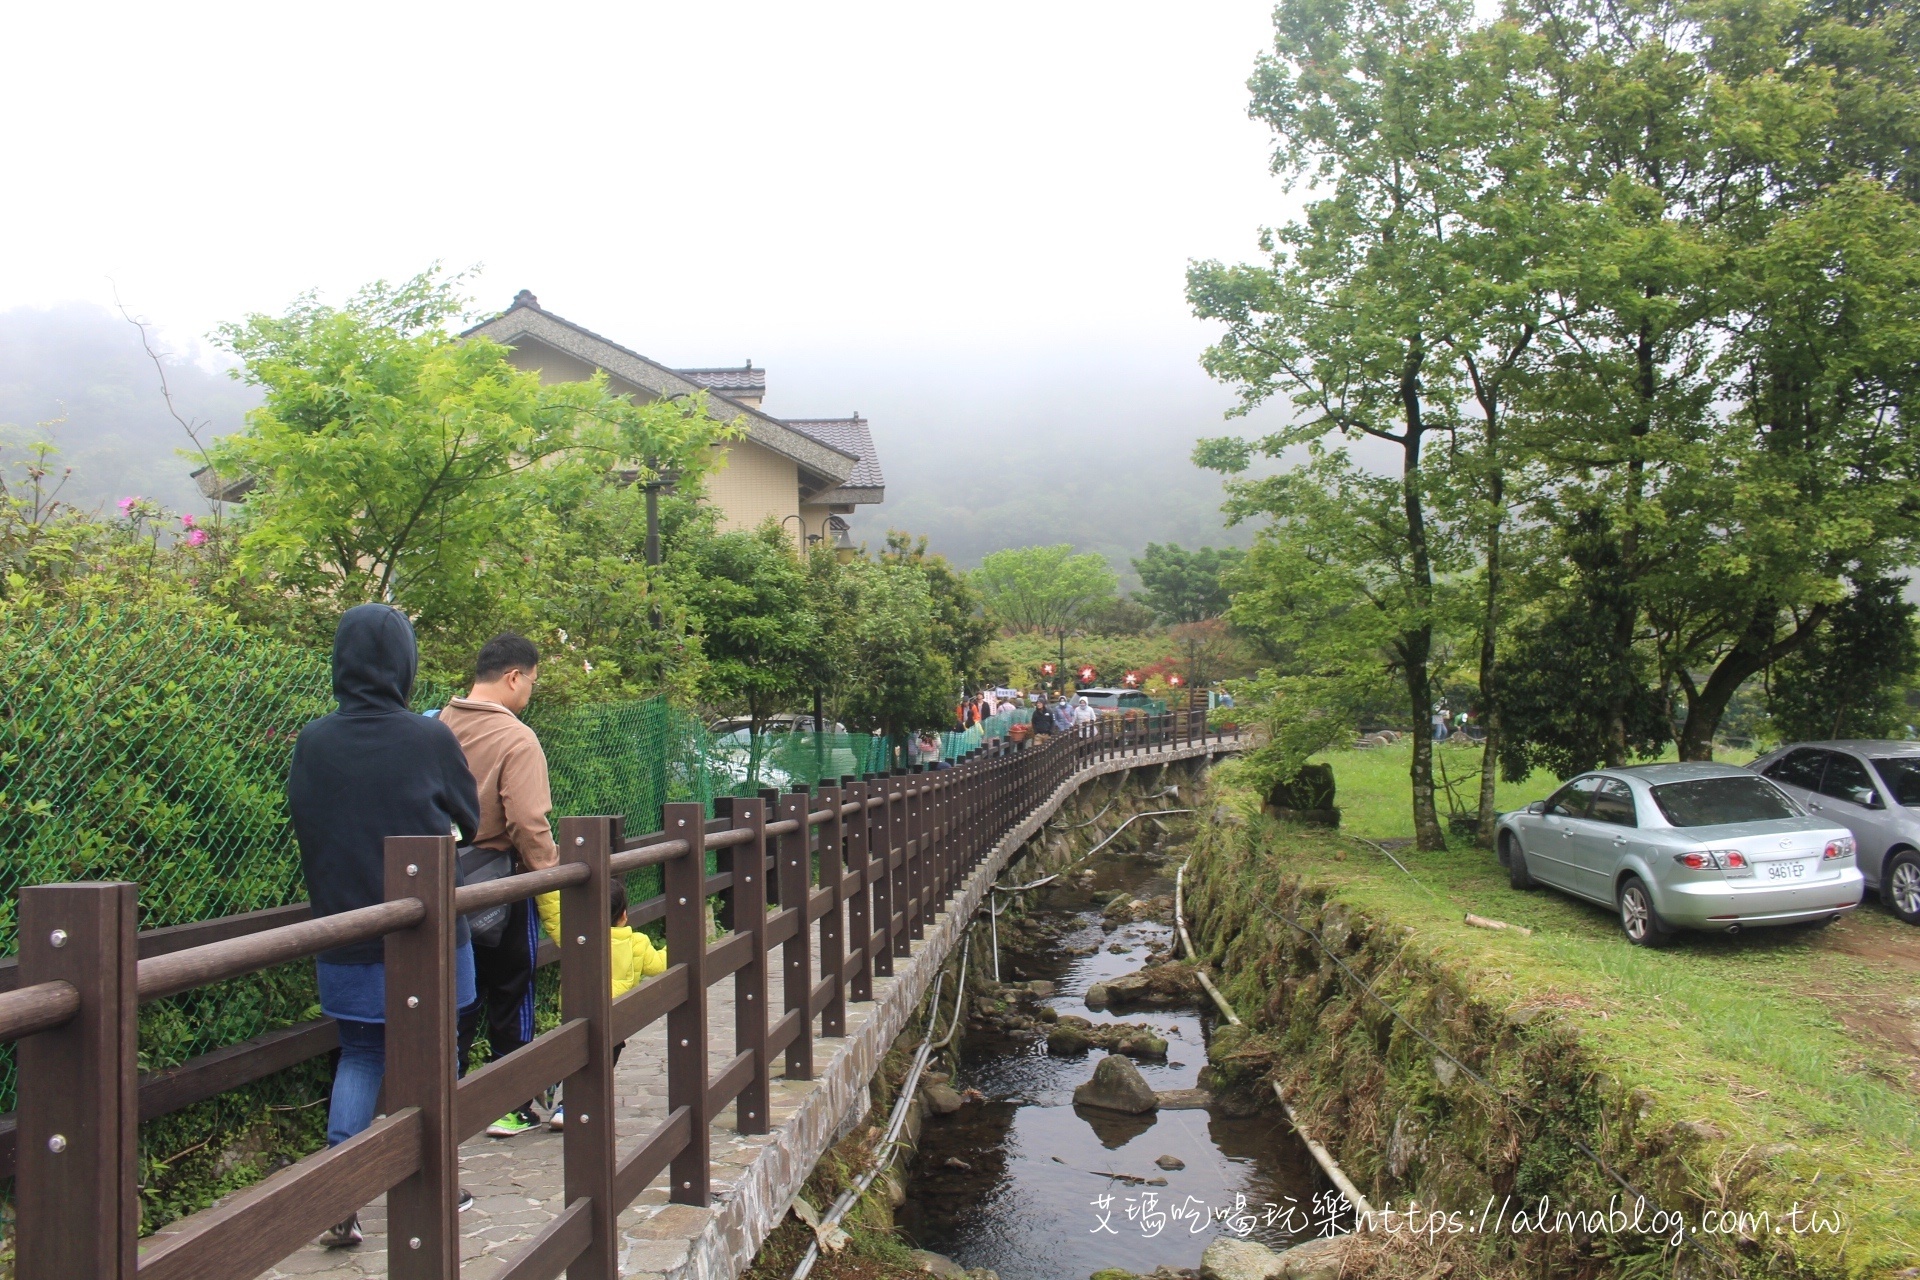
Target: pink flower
{"x":197,"y":537}
{"x":186,"y":522}
{"x":126,"y":504}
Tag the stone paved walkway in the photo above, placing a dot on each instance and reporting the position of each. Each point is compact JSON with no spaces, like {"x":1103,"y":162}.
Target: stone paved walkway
{"x":516,"y":1182}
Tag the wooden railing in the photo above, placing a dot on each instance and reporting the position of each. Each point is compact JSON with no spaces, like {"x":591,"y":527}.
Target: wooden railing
{"x":861,"y":867}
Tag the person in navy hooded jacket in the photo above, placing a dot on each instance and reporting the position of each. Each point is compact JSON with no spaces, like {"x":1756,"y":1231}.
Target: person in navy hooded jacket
{"x":370,"y":770}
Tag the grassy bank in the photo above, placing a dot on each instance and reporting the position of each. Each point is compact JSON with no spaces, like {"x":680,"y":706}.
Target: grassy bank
{"x":1374,"y":792}
{"x":1743,"y":1073}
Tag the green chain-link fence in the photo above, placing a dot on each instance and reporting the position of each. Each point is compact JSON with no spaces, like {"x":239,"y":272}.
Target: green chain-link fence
{"x":152,"y":745}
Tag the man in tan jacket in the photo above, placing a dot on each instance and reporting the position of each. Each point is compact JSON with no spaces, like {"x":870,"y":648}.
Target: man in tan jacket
{"x":510,"y":769}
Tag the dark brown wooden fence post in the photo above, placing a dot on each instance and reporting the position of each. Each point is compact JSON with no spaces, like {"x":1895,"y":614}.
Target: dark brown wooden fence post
{"x":685,"y":888}
{"x":919,"y":832}
{"x":833,"y":929}
{"x":586,"y":967}
{"x":77,"y":1209}
{"x":749,"y":865}
{"x":899,"y":891}
{"x":942,"y":836}
{"x":423,"y":1242}
{"x":859,"y":904}
{"x":880,"y":871}
{"x":796,"y":959}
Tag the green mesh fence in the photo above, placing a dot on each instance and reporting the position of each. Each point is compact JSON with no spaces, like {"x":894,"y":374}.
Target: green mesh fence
{"x":152,"y":745}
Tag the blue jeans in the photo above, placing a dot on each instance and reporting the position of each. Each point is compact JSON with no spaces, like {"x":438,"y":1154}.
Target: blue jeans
{"x":361,"y":989}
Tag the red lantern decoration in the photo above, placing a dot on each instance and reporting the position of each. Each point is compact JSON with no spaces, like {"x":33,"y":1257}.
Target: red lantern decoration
{"x":1086,"y":675}
{"x":1046,"y":668}
{"x":1133,"y":680}
{"x":1175,"y":681}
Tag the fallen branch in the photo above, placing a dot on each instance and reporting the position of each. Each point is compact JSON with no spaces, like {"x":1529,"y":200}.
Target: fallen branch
{"x":1481,"y":922}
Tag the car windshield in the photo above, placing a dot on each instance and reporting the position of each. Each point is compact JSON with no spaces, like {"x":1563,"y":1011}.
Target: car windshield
{"x":1902,"y":776}
{"x":1711,"y":802}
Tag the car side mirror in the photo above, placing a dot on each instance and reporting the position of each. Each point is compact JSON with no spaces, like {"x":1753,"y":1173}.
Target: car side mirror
{"x":1537,"y":807}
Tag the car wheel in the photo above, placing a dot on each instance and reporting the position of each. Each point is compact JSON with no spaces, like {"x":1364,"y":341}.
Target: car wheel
{"x":1516,"y":863}
{"x":1900,"y":885}
{"x":1638,"y":919}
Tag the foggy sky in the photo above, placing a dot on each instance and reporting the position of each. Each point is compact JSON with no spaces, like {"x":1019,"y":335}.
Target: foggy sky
{"x":969,"y":224}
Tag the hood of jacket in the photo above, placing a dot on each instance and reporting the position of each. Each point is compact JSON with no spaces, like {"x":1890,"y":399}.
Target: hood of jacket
{"x":374,"y":660}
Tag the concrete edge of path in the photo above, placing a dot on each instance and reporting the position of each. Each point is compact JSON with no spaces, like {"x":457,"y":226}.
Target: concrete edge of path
{"x":764,"y":1192}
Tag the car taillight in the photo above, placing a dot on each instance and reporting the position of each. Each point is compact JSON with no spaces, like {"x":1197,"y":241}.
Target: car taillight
{"x":1713,"y":859}
{"x":1841,"y":848}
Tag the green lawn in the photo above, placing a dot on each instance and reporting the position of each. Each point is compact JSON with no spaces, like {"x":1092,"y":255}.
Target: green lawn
{"x":1374,"y":792}
{"x":1801,"y":1043}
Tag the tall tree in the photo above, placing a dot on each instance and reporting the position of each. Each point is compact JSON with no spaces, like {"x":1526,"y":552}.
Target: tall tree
{"x":1734,"y":317}
{"x":961,"y":630}
{"x":1510,"y":224}
{"x":1185,"y":586}
{"x":1045,"y":589}
{"x":746,"y":595}
{"x":1346,"y":319}
{"x":1847,"y":681}
{"x":395,"y":460}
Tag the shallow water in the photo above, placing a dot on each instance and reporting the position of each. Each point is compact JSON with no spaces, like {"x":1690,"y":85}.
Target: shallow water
{"x":1036,"y":1201}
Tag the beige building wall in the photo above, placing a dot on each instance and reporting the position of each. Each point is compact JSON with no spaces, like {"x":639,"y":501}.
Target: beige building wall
{"x":752,"y":484}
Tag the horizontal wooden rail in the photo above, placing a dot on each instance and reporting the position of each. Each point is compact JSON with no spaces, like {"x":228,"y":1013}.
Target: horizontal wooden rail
{"x":202,"y":966}
{"x":242,"y":1236}
{"x":43,"y":1006}
{"x":783,"y":1033}
{"x":555,"y":1246}
{"x":499,"y":1087}
{"x":725,"y":957}
{"x":470,"y":898}
{"x":728,"y":839}
{"x":727,"y":1085}
{"x":171,"y":1089}
{"x":656,"y":1151}
{"x":647,"y":1003}
{"x":853,"y":881}
{"x":646,"y":855}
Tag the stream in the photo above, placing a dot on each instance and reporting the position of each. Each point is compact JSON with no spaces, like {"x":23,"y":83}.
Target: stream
{"x":1019,"y":1183}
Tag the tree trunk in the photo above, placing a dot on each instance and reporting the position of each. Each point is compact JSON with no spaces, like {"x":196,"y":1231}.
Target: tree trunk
{"x":1416,"y":646}
{"x":1490,"y":692}
{"x":1490,"y":618}
{"x":1646,"y":384}
{"x":1756,"y":651}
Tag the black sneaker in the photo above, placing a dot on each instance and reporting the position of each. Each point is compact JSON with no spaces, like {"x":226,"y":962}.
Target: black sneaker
{"x":465,"y":1200}
{"x":342,"y":1235}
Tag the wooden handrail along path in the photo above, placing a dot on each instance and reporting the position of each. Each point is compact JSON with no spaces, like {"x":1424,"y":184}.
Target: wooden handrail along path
{"x":857,"y":869}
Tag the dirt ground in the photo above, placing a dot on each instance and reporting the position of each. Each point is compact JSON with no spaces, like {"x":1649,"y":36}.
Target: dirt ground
{"x":1866,"y":966}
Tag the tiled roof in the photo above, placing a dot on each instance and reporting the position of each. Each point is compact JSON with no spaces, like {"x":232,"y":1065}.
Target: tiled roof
{"x":732,"y":380}
{"x":848,"y":435}
{"x":527,"y":318}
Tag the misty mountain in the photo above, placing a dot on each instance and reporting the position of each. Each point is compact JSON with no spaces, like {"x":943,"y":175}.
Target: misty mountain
{"x":1080,"y":445}
{"x":76,"y":374}
{"x":1087,"y":444}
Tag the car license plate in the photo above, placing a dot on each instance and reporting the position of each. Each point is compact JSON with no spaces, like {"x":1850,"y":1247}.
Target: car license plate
{"x":1795,"y":869}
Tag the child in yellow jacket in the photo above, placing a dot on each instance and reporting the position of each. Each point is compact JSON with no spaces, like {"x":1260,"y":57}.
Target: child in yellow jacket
{"x":633,"y":955}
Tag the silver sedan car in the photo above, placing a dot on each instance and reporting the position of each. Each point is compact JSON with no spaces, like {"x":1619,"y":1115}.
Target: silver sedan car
{"x":1697,"y":846}
{"x":1873,"y":790}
